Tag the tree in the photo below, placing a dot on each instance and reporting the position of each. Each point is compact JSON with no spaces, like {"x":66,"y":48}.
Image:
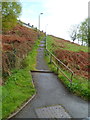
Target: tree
{"x":73,"y":32}
{"x":10,"y":12}
{"x":83,"y":31}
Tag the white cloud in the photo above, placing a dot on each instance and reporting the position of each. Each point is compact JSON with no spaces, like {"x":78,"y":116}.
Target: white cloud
{"x":58,"y":14}
{"x":62,"y":14}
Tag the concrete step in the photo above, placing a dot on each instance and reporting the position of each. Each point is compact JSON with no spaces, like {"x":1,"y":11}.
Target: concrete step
{"x":42,"y":71}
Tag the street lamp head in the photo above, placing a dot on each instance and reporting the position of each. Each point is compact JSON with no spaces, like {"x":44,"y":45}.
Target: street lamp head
{"x":41,"y":13}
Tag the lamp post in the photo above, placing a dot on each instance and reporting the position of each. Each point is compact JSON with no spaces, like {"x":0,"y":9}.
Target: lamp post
{"x":39,"y":25}
{"x":39,"y":21}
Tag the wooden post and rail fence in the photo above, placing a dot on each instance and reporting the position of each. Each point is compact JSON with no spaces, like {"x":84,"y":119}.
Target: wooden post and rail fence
{"x":59,"y":64}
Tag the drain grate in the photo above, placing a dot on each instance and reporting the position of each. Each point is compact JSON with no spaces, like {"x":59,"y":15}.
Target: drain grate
{"x":56,"y":111}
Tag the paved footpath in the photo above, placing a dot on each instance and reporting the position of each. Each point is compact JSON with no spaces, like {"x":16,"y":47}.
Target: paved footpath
{"x":51,"y":92}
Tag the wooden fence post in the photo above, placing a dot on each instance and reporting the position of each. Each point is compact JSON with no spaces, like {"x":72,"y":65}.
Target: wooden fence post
{"x":57,"y":66}
{"x":50,"y":58}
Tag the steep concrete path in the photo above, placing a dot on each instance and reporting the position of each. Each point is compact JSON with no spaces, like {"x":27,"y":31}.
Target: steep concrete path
{"x":50,"y":92}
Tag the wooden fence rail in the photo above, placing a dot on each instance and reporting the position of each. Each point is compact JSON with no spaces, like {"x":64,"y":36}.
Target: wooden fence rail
{"x":59,"y":64}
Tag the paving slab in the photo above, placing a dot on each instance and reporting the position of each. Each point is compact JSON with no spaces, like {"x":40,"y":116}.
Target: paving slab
{"x":56,"y":111}
{"x":41,"y":63}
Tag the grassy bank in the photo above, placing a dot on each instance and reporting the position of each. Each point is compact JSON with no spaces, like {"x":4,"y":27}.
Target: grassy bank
{"x":80,"y":84}
{"x":52,"y":45}
{"x":19,"y":88}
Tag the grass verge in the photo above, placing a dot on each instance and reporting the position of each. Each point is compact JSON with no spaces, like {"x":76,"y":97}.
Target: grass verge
{"x":79,"y":85}
{"x":19,"y":87}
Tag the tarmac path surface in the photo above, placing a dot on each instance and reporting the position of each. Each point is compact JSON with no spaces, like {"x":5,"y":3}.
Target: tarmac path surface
{"x":51,"y":92}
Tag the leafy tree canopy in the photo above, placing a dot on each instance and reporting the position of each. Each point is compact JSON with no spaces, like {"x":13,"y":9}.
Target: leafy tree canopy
{"x":83,"y":31}
{"x":10,"y":12}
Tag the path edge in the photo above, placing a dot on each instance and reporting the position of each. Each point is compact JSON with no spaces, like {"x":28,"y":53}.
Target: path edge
{"x":24,"y":104}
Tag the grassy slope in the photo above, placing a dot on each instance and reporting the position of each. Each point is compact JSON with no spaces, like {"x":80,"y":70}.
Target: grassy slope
{"x":71,"y":47}
{"x":19,"y":87}
{"x":80,"y":84}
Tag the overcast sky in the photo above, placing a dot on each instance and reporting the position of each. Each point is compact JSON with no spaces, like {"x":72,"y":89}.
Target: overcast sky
{"x":58,"y":15}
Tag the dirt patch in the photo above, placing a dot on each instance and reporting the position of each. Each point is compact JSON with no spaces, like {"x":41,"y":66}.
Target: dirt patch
{"x":77,"y":61}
